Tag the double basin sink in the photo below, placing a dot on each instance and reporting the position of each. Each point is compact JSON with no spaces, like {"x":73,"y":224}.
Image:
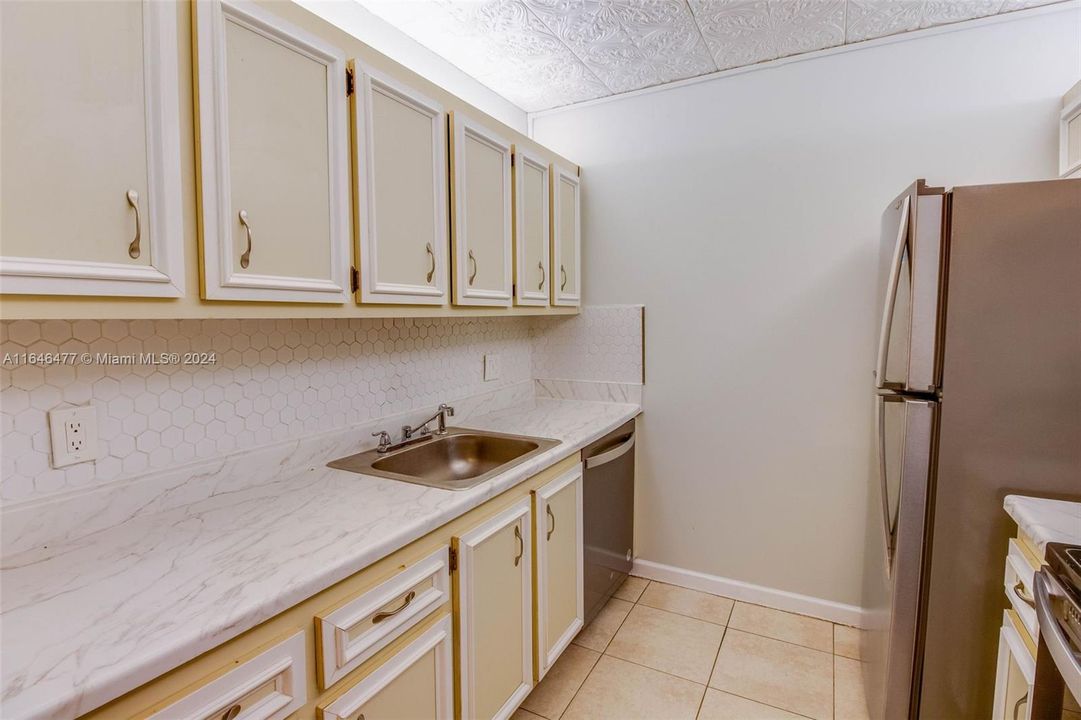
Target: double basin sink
{"x":456,"y":460}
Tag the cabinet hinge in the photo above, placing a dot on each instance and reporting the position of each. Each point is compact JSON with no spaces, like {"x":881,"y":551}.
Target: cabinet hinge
{"x":354,"y":279}
{"x":453,"y":559}
{"x":350,"y":82}
{"x":512,"y":157}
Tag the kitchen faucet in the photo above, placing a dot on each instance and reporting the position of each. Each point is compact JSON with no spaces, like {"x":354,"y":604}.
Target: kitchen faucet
{"x":412,"y":435}
{"x":441,"y":429}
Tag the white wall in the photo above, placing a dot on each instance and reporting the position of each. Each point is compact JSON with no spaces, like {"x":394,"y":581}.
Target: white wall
{"x":377,"y":33}
{"x":743,"y":211}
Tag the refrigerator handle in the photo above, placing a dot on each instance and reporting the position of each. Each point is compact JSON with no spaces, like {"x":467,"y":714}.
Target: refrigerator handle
{"x":887,"y":521}
{"x":891,"y":295}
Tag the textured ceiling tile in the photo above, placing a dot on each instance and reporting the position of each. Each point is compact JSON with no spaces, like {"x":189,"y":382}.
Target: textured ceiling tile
{"x":943,"y":12}
{"x":1012,"y":5}
{"x":743,"y":32}
{"x":667,"y":35}
{"x":541,"y":54}
{"x":869,"y":19}
{"x":592,"y":31}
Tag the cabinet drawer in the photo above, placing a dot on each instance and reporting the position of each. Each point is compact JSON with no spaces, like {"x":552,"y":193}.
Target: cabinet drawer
{"x":270,"y":686}
{"x":1015,"y":675}
{"x":416,"y":682}
{"x":1018,"y":586}
{"x":369,"y":622}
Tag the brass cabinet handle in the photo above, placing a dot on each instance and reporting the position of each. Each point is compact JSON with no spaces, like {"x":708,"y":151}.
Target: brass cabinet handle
{"x":521,"y":545}
{"x":1019,"y":591}
{"x":231,"y":713}
{"x":563,"y":274}
{"x":133,"y":248}
{"x":431,"y":273}
{"x":552,"y":517}
{"x":380,"y":617}
{"x":245,"y":259}
{"x":540,"y":266}
{"x":473,"y":276}
{"x":1017,"y":705}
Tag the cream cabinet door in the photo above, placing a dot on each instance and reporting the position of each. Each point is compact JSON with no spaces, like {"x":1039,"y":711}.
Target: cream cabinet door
{"x":416,"y":682}
{"x":400,"y":142}
{"x":532,"y":239}
{"x":1015,"y":674}
{"x":90,"y":149}
{"x":566,"y":237}
{"x":495,"y":614}
{"x":481,"y":202}
{"x":273,"y":153}
{"x":560,"y":545}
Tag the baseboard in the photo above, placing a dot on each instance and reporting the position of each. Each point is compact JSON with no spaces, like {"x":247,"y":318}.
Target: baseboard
{"x":737,"y":589}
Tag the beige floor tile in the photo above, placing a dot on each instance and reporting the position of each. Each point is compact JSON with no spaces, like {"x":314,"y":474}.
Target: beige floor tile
{"x":671,"y":643}
{"x":780,"y":625}
{"x":703,"y":606}
{"x":619,"y":690}
{"x":787,"y":676}
{"x":521,"y":714}
{"x":600,"y":632}
{"x":846,"y":641}
{"x":553,"y":695}
{"x":631,"y":589}
{"x":849,"y":701}
{"x":722,"y":706}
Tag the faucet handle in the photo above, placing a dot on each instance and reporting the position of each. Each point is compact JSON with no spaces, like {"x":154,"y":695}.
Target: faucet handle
{"x":384,"y":439}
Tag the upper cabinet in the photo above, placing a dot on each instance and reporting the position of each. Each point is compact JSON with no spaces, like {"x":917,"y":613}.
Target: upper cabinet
{"x":273,"y":156}
{"x":480,"y":171}
{"x":1070,"y":134}
{"x":566,"y":237}
{"x":532,"y":238}
{"x":91,"y":190}
{"x":400,"y":141}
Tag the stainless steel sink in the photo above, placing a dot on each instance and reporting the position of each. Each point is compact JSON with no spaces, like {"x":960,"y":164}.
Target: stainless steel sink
{"x":456,"y":461}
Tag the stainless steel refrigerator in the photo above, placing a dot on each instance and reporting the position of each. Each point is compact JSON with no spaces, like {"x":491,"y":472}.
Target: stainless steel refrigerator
{"x":977,"y":395}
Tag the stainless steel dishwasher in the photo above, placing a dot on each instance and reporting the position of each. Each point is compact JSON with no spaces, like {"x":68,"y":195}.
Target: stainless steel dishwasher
{"x":608,"y":515}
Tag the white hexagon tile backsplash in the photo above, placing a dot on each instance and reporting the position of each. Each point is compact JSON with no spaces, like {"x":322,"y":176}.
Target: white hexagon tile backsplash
{"x":249,"y":383}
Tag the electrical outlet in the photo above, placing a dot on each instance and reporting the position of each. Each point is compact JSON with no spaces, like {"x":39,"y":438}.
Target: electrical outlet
{"x":74,"y":435}
{"x":491,"y":367}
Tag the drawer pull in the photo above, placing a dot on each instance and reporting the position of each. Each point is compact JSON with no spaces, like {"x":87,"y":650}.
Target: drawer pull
{"x":133,"y":248}
{"x":473,"y":275}
{"x":231,"y":713}
{"x":1019,"y":591}
{"x":521,"y":546}
{"x":380,"y":617}
{"x":540,"y":266}
{"x":245,"y":259}
{"x":563,"y":273}
{"x":552,"y":517}
{"x":431,"y":273}
{"x":1018,"y":704}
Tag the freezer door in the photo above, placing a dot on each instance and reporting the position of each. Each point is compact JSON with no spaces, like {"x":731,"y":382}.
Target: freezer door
{"x":906,"y":437}
{"x":910,"y":264}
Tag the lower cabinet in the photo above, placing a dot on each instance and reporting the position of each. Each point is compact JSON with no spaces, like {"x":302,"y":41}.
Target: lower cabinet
{"x":1016,"y":672}
{"x":495,"y":614}
{"x":270,"y":686}
{"x":451,"y":626}
{"x":560,"y":591}
{"x":415,"y":682}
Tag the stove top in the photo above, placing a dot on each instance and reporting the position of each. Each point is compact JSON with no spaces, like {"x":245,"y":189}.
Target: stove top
{"x":1064,"y":565}
{"x":1064,"y":561}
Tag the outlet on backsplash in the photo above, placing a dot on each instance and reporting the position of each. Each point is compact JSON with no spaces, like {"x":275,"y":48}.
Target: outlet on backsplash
{"x":491,"y":367}
{"x":74,"y":435}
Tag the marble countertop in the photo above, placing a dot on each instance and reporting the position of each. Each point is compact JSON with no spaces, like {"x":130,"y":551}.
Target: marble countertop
{"x":87,"y":621}
{"x":1046,"y":520}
